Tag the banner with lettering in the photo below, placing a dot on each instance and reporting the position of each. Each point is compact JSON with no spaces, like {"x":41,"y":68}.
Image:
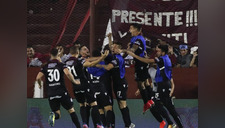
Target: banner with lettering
{"x":175,"y":21}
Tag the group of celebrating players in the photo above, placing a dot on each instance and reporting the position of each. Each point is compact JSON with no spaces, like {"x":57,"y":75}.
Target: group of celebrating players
{"x":91,"y":78}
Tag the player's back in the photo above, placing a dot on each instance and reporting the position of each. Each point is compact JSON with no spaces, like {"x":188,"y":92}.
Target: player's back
{"x":75,"y":66}
{"x":54,"y":77}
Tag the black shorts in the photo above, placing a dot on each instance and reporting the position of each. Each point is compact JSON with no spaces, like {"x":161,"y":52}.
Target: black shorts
{"x":79,"y":93}
{"x":120,"y":89}
{"x":163,"y":91}
{"x":64,"y":99}
{"x":141,"y":73}
{"x":103,"y":99}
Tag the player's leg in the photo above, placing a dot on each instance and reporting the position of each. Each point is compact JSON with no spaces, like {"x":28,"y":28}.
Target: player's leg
{"x":92,"y":101}
{"x":121,"y":94}
{"x":80,"y":97}
{"x":168,"y":103}
{"x":102,"y":116}
{"x":74,"y":117}
{"x":67,"y":103}
{"x":55,"y":114}
{"x":170,"y":107}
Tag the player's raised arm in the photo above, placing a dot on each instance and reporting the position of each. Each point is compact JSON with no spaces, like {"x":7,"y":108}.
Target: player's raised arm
{"x":70,"y":76}
{"x":93,"y":63}
{"x":38,"y":78}
{"x":145,"y":60}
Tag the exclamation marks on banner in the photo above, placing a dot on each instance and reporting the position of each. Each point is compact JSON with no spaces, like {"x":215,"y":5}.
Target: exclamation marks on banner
{"x":191,"y":18}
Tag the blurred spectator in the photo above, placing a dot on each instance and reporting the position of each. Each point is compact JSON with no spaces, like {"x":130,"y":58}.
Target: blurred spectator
{"x":33,"y":58}
{"x":61,"y":54}
{"x":194,"y":60}
{"x":184,"y":59}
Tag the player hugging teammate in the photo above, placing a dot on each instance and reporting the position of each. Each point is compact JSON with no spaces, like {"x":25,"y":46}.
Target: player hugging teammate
{"x":91,"y":78}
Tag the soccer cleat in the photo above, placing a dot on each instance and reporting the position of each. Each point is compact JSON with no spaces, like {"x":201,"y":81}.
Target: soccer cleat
{"x":147,"y":106}
{"x":162,"y":124}
{"x":51,"y":119}
{"x":85,"y":126}
{"x":132,"y":125}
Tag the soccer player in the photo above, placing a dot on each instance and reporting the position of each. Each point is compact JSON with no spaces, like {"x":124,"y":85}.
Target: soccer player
{"x":163,"y":79}
{"x":117,"y":67}
{"x":84,"y":94}
{"x":96,"y":78}
{"x":57,"y":93}
{"x":138,"y":46}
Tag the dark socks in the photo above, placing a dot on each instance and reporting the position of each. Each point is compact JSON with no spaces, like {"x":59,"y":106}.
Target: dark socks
{"x":175,"y":116}
{"x":113,"y":119}
{"x":75,"y":119}
{"x":156,"y":114}
{"x":88,"y":108}
{"x":95,"y":115}
{"x":149,"y":90}
{"x":126,"y":116}
{"x":109,"y":118}
{"x":103,"y":119}
{"x":144,"y":95}
{"x":83,"y":113}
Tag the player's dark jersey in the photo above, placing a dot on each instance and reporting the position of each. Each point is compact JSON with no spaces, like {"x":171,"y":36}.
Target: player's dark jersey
{"x":140,"y":41}
{"x":75,"y":66}
{"x":54,"y":77}
{"x":118,"y":72}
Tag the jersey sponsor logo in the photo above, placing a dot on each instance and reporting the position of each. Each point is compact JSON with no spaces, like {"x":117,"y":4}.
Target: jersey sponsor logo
{"x":52,"y":65}
{"x":55,"y":97}
{"x":70,"y":62}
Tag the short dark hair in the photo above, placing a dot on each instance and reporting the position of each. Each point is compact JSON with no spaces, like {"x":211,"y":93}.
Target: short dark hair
{"x":118,"y":43}
{"x":54,"y":52}
{"x":73,"y":50}
{"x":137,"y":26}
{"x":164,"y":48}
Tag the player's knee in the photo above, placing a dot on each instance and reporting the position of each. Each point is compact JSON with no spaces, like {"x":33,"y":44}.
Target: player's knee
{"x":108,"y":107}
{"x":101,"y":111}
{"x":93,"y":103}
{"x":71,"y":110}
{"x":82,"y":104}
{"x":122,"y":104}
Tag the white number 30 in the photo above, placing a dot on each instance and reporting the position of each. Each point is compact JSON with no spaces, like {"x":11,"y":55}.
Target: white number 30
{"x":53,"y":75}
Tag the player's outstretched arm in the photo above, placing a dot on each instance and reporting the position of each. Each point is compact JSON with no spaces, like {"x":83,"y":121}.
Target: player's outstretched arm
{"x":145,"y":60}
{"x":93,"y":63}
{"x":70,"y":76}
{"x":106,"y":67}
{"x":38,"y":78}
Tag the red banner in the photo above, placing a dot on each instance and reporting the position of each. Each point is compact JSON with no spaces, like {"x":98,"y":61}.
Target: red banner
{"x":175,"y":21}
